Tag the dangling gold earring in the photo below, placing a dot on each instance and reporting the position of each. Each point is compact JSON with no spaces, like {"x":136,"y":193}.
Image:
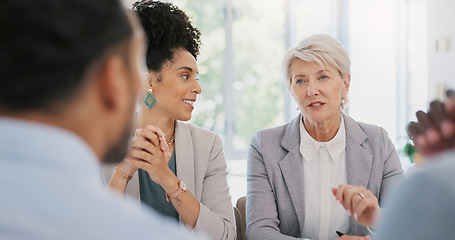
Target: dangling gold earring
{"x":150,"y":96}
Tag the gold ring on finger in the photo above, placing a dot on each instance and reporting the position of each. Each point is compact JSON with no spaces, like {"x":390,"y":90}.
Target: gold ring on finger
{"x":361,"y":195}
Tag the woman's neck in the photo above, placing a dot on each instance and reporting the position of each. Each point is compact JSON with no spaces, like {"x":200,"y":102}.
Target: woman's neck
{"x":322,"y":131}
{"x":152,"y":117}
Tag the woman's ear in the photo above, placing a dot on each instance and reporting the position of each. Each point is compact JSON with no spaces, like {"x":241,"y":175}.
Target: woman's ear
{"x":290,"y":91}
{"x":154,"y":77}
{"x":346,"y":82}
{"x":290,"y":88}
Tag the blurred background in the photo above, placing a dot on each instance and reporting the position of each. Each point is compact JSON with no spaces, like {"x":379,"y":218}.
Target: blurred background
{"x":401,"y":58}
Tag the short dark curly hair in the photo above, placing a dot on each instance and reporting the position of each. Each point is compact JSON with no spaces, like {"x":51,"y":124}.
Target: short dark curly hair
{"x":167,"y":28}
{"x":47,"y":46}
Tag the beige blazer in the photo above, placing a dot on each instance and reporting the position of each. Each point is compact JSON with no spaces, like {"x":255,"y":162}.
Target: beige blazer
{"x":275,"y":206}
{"x":201,"y":165}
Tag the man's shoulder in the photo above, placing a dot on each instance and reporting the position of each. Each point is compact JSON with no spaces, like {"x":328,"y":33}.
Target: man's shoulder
{"x":440,"y":167}
{"x":71,"y":208}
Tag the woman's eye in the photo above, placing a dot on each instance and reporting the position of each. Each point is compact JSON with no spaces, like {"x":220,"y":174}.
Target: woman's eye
{"x":185,"y":76}
{"x":323,"y":77}
{"x":299,"y":81}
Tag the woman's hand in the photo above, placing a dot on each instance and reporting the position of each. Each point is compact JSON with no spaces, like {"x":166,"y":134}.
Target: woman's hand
{"x":128,"y":168}
{"x":435,"y":130}
{"x":349,"y":237}
{"x":148,"y":151}
{"x":359,"y":202}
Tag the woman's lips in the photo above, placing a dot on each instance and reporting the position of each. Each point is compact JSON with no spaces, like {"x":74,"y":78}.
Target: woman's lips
{"x":316,"y":105}
{"x":190,"y":103}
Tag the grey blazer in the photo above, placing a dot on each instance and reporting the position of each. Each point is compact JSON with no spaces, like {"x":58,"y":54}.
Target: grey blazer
{"x":201,"y":165}
{"x":275,"y":206}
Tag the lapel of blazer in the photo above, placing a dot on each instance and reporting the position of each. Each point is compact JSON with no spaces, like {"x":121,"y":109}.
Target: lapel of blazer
{"x":291,"y":167}
{"x":184,"y":156}
{"x":358,"y":159}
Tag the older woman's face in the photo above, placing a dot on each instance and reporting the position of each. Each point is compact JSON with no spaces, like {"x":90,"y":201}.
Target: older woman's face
{"x":317,"y":91}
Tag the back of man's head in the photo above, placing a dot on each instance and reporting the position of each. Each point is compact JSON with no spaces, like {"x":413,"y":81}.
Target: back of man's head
{"x":47,"y":46}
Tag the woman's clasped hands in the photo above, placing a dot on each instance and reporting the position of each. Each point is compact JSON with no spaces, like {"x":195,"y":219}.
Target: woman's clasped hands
{"x":149,"y":151}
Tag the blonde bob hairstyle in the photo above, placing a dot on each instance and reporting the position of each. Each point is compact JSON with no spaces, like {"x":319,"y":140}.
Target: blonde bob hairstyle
{"x":322,"y":49}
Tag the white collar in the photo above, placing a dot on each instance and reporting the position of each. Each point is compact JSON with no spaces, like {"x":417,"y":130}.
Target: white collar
{"x":309,"y":147}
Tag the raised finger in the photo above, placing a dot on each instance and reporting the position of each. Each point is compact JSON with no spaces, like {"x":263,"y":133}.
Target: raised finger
{"x":414,"y":129}
{"x":150,"y":136}
{"x":424,"y":120}
{"x":437,"y":113}
{"x":369,"y":201}
{"x":450,"y":104}
{"x":356,"y":200}
{"x":417,"y":135}
{"x":347,"y":198}
{"x":432,"y":135}
{"x":338,"y":192}
{"x":357,"y":191}
{"x":360,"y":208}
{"x":161,"y":137}
{"x":448,"y":128}
{"x":154,"y":129}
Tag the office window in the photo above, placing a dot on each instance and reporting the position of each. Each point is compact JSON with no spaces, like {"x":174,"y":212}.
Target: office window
{"x":374,"y":56}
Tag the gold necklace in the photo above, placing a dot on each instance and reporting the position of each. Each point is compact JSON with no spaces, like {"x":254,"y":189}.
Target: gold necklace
{"x":171,"y":142}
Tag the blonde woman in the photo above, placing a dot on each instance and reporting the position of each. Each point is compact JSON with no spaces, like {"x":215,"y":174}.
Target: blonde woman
{"x":299,"y":172}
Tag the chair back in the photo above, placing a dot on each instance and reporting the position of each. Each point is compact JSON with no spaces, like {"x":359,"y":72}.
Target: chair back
{"x":240,"y":218}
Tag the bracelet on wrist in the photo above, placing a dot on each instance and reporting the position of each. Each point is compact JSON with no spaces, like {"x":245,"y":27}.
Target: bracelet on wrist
{"x":181,"y":189}
{"x":122,"y":175}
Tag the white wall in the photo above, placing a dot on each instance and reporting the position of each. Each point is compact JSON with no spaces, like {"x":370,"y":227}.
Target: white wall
{"x":441,"y":65}
{"x":128,"y":3}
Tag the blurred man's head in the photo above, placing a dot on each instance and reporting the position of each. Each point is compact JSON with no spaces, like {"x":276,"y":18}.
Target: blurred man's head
{"x":71,"y":63}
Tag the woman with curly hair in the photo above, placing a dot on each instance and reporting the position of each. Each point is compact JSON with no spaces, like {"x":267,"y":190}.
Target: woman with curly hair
{"x":182,"y":175}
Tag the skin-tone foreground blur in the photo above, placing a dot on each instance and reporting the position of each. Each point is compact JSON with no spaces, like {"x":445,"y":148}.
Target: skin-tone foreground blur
{"x":67,"y":102}
{"x":435,"y":129}
{"x":104,"y":110}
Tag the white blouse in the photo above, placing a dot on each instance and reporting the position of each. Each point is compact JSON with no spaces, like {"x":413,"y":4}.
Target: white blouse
{"x":324,"y":167}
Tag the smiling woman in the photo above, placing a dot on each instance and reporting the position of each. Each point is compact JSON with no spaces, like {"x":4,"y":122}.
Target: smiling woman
{"x":183,"y":177}
{"x":177,"y":86}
